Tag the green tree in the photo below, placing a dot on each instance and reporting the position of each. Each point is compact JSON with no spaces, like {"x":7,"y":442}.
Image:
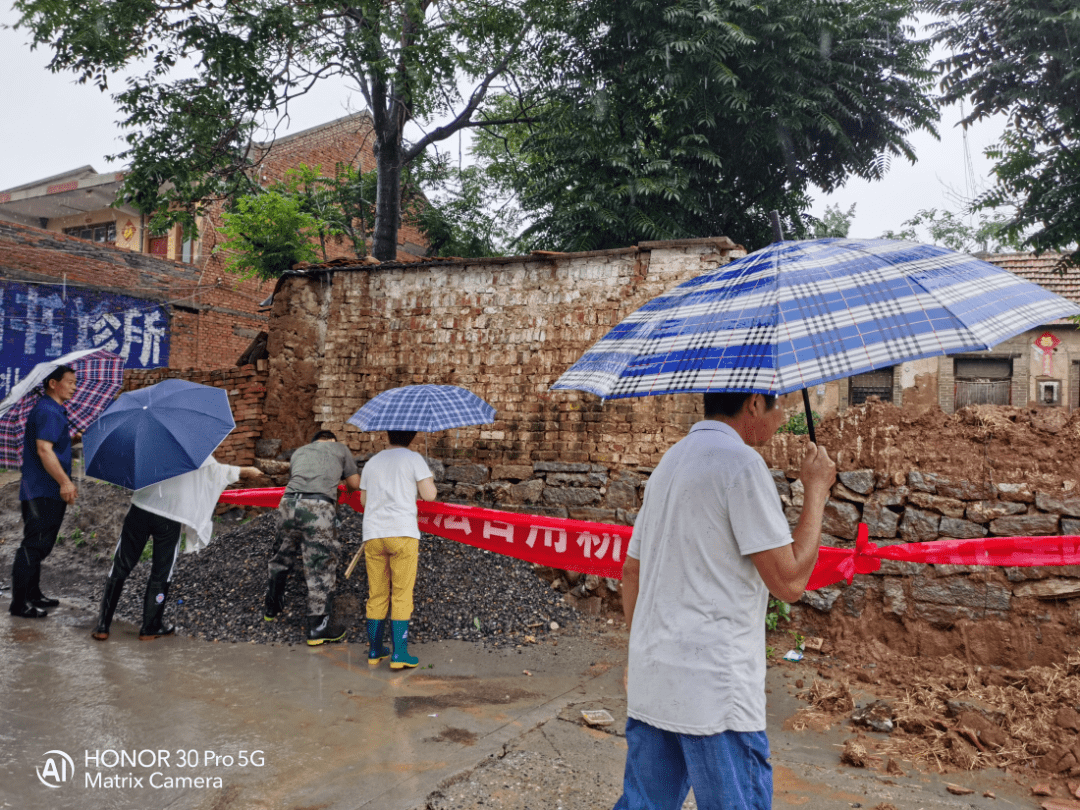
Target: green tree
{"x":990,"y":235}
{"x":267,"y":233}
{"x":188,"y":135}
{"x":463,"y":214}
{"x":834,"y":222}
{"x":1019,"y":58}
{"x":692,"y":118}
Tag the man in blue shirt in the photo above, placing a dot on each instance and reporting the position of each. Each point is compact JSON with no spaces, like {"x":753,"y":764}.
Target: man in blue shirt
{"x":45,"y":492}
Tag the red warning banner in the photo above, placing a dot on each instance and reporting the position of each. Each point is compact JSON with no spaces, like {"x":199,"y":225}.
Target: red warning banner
{"x":572,"y":545}
{"x":600,"y":548}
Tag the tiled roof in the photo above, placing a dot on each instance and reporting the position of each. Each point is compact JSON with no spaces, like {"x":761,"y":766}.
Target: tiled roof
{"x":1045,"y":270}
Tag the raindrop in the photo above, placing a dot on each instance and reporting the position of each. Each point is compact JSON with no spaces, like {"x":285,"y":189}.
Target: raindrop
{"x":825,"y":45}
{"x":667,"y":55}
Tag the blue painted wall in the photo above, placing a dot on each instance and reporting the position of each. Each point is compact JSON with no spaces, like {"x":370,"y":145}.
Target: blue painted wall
{"x":43,"y":321}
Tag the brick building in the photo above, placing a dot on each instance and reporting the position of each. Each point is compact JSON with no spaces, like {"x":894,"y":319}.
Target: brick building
{"x":64,"y":233}
{"x":210,"y":320}
{"x":80,"y":202}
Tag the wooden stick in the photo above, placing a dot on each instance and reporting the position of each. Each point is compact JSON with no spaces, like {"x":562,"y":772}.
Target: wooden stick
{"x":355,"y":560}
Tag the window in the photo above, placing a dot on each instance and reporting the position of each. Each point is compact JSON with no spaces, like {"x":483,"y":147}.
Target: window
{"x":877,"y":383}
{"x":105,"y":232}
{"x":983,"y":381}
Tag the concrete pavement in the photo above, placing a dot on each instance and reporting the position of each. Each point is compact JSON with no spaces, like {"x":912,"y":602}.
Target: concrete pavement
{"x":184,"y":724}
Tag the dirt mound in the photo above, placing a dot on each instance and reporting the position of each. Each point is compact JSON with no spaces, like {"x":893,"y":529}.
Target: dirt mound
{"x":947,"y":715}
{"x":997,"y":444}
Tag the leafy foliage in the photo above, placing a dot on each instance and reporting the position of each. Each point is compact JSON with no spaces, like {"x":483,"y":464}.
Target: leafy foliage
{"x":1019,"y":58}
{"x":692,"y":118}
{"x":990,"y":235}
{"x":266,"y":234}
{"x":462,"y":216}
{"x":834,"y":223}
{"x":796,"y":423}
{"x":776,"y":611}
{"x":188,"y":136}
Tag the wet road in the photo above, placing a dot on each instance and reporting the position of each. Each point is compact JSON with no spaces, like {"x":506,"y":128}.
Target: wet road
{"x":179,"y":723}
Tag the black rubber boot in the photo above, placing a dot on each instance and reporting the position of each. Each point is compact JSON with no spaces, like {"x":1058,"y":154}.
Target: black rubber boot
{"x":153,"y":625}
{"x":109,"y":600}
{"x":20,"y":605}
{"x":320,"y":630}
{"x":275,"y":595}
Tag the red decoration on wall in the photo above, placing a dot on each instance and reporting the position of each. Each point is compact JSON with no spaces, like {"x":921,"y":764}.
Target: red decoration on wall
{"x":1046,"y":343}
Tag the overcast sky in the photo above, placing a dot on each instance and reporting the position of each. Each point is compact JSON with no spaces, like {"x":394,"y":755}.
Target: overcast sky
{"x":53,"y":125}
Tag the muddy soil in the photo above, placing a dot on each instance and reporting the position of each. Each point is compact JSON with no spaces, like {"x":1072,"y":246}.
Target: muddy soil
{"x":996,"y":444}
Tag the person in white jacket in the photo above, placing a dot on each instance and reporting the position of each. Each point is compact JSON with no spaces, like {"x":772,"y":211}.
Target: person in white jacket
{"x":162,"y":511}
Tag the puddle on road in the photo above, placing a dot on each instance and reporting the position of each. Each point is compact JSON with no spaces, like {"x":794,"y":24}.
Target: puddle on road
{"x":460,"y":736}
{"x":21,"y":635}
{"x":485,"y":695}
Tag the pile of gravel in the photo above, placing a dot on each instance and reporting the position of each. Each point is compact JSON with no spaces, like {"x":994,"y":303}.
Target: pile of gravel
{"x":461,"y":592}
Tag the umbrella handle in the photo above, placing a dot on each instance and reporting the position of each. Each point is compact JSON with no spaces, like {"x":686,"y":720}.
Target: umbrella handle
{"x":809,"y":415}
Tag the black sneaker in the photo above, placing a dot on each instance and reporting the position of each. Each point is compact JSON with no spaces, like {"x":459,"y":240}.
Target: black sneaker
{"x":45,"y":602}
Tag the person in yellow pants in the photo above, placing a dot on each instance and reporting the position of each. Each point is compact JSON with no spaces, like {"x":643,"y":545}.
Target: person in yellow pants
{"x":390,"y":484}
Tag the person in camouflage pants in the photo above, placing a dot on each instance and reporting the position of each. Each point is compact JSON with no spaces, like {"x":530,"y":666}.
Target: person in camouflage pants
{"x":307,"y":526}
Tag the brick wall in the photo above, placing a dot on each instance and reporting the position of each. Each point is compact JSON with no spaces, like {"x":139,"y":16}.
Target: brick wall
{"x":503,"y":328}
{"x":347,"y":140}
{"x":246,"y":388}
{"x":213,"y":318}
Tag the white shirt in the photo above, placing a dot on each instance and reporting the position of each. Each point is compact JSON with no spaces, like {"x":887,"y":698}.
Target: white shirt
{"x":390,"y":479}
{"x":190,"y":499}
{"x":697,"y":644}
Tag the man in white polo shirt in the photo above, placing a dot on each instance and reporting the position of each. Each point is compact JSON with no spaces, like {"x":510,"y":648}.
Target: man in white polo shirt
{"x":709,"y":545}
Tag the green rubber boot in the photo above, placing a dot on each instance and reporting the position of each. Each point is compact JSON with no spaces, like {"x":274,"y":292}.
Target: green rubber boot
{"x":378,"y":651}
{"x":399,"y":632}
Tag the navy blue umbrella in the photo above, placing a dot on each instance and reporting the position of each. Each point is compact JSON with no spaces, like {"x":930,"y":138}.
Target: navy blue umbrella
{"x":156,"y":433}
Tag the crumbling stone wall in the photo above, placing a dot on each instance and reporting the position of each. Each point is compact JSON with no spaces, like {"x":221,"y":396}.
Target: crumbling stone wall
{"x":246,"y":387}
{"x":504,"y":328}
{"x":923,"y":507}
{"x":507,"y":328}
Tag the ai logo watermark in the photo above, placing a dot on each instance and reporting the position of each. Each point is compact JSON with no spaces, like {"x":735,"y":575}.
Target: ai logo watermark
{"x":54,"y":775}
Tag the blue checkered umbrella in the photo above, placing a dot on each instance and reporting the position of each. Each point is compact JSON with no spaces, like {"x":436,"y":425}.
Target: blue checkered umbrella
{"x":797,"y":314}
{"x":426,"y":408}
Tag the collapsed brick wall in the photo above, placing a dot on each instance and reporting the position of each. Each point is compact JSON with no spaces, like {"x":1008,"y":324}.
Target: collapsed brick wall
{"x":213,"y":318}
{"x":503,"y":328}
{"x":246,"y":387}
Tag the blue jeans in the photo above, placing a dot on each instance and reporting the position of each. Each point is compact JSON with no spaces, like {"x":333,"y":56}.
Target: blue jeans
{"x":728,"y":771}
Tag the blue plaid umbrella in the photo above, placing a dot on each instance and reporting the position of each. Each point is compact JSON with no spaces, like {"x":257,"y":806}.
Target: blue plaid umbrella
{"x":797,"y":314}
{"x":426,"y":408}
